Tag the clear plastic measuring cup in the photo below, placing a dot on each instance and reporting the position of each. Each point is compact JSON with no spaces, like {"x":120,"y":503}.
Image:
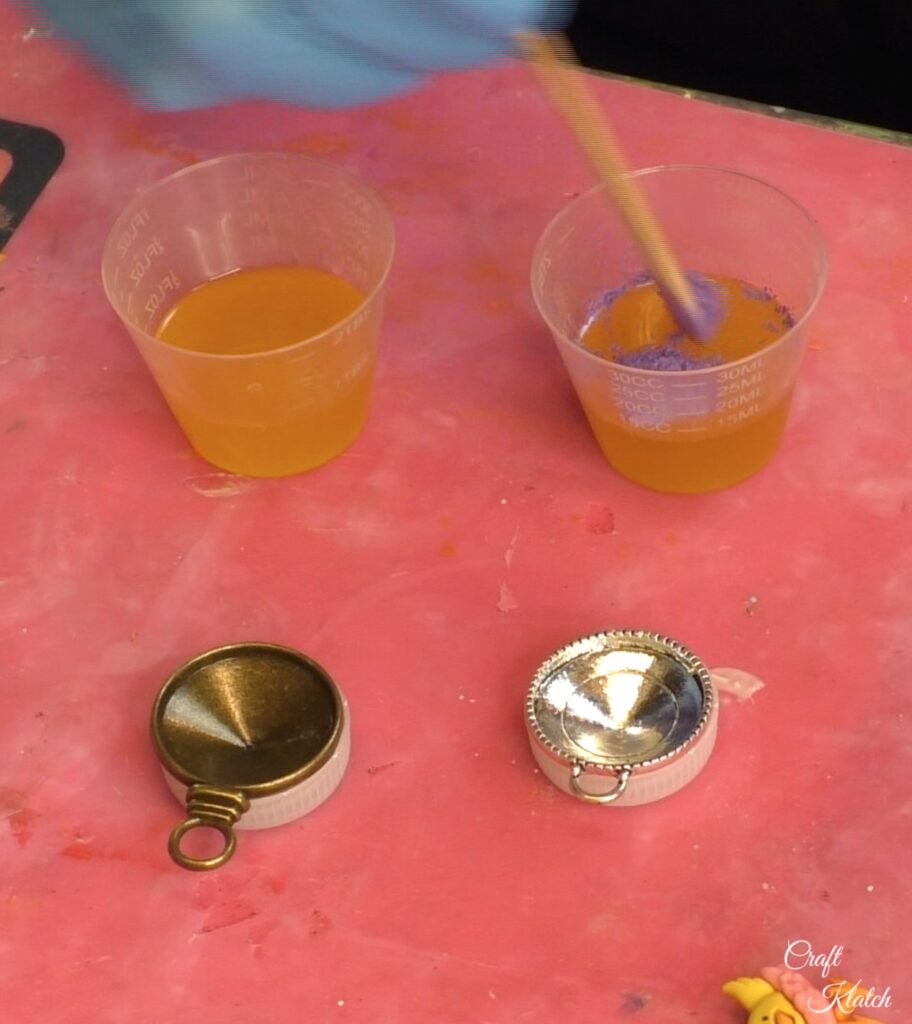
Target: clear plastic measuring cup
{"x":692,"y":430}
{"x":266,"y":413}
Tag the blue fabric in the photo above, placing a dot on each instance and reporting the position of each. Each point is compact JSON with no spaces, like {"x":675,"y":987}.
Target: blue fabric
{"x":188,"y":53}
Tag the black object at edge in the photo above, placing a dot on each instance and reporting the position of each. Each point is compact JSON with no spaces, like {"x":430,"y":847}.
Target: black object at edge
{"x":36,"y":154}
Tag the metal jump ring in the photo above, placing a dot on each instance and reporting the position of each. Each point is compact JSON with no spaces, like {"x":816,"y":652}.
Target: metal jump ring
{"x":199,"y":863}
{"x":623,"y":777}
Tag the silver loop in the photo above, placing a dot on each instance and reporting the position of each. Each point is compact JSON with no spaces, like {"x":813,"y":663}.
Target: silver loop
{"x":576,"y":772}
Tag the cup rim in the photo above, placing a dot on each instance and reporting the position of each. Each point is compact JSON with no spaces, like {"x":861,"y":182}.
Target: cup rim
{"x":258,"y":155}
{"x":707,"y":371}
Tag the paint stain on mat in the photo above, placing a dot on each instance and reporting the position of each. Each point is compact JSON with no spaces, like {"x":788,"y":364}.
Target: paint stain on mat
{"x":506,"y":602}
{"x":221,"y":485}
{"x":736,"y":681}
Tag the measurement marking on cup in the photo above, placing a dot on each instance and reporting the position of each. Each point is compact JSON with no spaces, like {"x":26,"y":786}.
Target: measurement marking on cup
{"x":168,"y":284}
{"x":355,"y":371}
{"x":144,"y":261}
{"x":140,"y":219}
{"x":355,"y":324}
{"x":693,"y":404}
{"x":256,"y":219}
{"x":746,"y":398}
{"x":742,"y":415}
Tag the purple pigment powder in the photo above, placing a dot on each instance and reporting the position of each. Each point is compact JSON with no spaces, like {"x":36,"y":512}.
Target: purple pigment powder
{"x":703,"y":322}
{"x":765,"y":295}
{"x":607,"y":297}
{"x":668,"y":354}
{"x":757,"y":294}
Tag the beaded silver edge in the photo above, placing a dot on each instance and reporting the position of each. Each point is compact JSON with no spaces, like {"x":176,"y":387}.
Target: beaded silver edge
{"x":606,"y":639}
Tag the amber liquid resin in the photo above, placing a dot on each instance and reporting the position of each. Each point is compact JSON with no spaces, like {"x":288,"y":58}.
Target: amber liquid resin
{"x":733,"y":425}
{"x":298,"y":405}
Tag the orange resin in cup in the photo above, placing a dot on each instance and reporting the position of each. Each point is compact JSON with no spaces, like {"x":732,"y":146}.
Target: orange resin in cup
{"x":716,"y":417}
{"x":634,"y":329}
{"x":264,"y":310}
{"x":253,"y":287}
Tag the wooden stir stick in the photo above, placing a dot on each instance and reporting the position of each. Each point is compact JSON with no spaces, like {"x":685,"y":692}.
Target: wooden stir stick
{"x":555,"y":63}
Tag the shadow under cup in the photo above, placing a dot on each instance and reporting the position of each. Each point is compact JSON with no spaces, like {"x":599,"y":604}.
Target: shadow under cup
{"x":269,"y":413}
{"x":691,"y":430}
